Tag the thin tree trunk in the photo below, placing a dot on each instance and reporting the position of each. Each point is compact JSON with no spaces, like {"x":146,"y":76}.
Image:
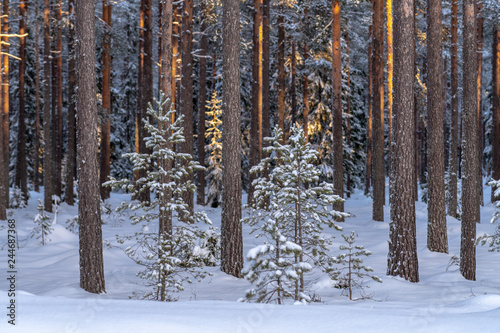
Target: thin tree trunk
{"x":21,"y":174}
{"x":470,"y":202}
{"x":402,"y":246}
{"x":231,"y":229}
{"x":293,"y":89}
{"x":378,"y":113}
{"x":480,"y":134}
{"x":390,"y":60}
{"x":5,"y":97}
{"x":305,"y":94}
{"x":266,"y":86}
{"x":338,"y":142}
{"x":89,"y":211}
{"x":437,"y":239}
{"x":186,"y":90}
{"x":281,"y":71}
{"x":453,"y":165}
{"x":370,"y":114}
{"x":48,"y":180}
{"x":495,"y":152}
{"x":71,"y":164}
{"x":139,"y":146}
{"x":106,"y":99}
{"x":200,"y":195}
{"x":348,"y":119}
{"x":37,"y":107}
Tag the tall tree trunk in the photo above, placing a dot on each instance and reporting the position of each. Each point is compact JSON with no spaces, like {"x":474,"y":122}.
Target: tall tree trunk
{"x":200,"y":195}
{"x":390,"y":75}
{"x":231,"y":230}
{"x":89,"y":211}
{"x":175,"y":52}
{"x":293,"y":88}
{"x":48,"y":180}
{"x":370,"y":114}
{"x":495,"y":152}
{"x":403,"y":245}
{"x":480,"y":134}
{"x":266,"y":86}
{"x":338,"y":142}
{"x":453,"y":165}
{"x":437,"y":239}
{"x":470,"y":202}
{"x":21,"y":175}
{"x":255,"y":116}
{"x":5,"y":97}
{"x":186,"y":91}
{"x":281,"y":71}
{"x":378,"y":113}
{"x":305,"y":93}
{"x":106,"y":99}
{"x":165,"y":219}
{"x":37,"y":107}
{"x":57,"y":99}
{"x":348,"y":119}
{"x":139,"y":146}
{"x":71,"y":164}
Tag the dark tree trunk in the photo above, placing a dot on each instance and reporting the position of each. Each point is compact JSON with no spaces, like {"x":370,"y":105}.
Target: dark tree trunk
{"x":71,"y":165}
{"x":200,"y":195}
{"x":470,"y":202}
{"x":36,"y":176}
{"x":281,"y":71}
{"x":378,"y":175}
{"x":480,"y":134}
{"x":370,"y":115}
{"x":348,"y":119}
{"x":305,"y":93}
{"x":437,"y":239}
{"x":48,"y":180}
{"x":231,"y":230}
{"x":495,"y":168}
{"x":106,"y":99}
{"x":5,"y":98}
{"x":21,"y":175}
{"x":266,"y":87}
{"x":338,"y":142}
{"x":89,"y":210}
{"x":402,"y":246}
{"x":293,"y":88}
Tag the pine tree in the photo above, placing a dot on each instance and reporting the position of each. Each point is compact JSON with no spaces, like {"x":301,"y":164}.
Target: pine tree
{"x":214,"y":149}
{"x":43,"y":224}
{"x":294,"y":214}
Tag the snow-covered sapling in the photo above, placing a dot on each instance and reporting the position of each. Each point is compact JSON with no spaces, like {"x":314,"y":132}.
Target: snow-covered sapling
{"x":352,"y":270}
{"x":493,"y":241}
{"x":170,"y":253}
{"x":43,"y":224}
{"x":214,"y":150}
{"x":290,"y":214}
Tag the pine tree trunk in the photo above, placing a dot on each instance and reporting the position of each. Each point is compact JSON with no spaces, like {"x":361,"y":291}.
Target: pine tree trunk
{"x":21,"y":175}
{"x":186,"y":90}
{"x":165,"y":227}
{"x":71,"y":164}
{"x":59,"y":100}
{"x":48,"y":180}
{"x":338,"y":142}
{"x":231,"y":229}
{"x":368,"y":177}
{"x":139,"y":126}
{"x":480,"y":134}
{"x":305,"y":93}
{"x":281,"y":71}
{"x":453,"y":164}
{"x":255,"y":116}
{"x":470,"y":202}
{"x":106,"y":99}
{"x":390,"y":75}
{"x":293,"y":89}
{"x":266,"y":86}
{"x":89,"y":211}
{"x":36,"y":176}
{"x":495,"y":151}
{"x":402,"y":246}
{"x":200,"y":195}
{"x":437,"y":239}
{"x":5,"y":98}
{"x":348,"y":119}
{"x":378,"y":113}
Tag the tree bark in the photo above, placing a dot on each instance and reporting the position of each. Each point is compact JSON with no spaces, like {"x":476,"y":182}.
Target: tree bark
{"x":231,"y":229}
{"x":200,"y":195}
{"x":89,"y":210}
{"x":402,"y":246}
{"x":281,"y":71}
{"x":480,"y":134}
{"x":106,"y":99}
{"x":305,"y":93}
{"x":390,"y":74}
{"x":495,"y":169}
{"x":338,"y":142}
{"x":5,"y":98}
{"x":348,"y":119}
{"x":368,"y":177}
{"x":36,"y":176}
{"x":437,"y":239}
{"x":48,"y":180}
{"x":266,"y":87}
{"x":470,"y":202}
{"x":71,"y":164}
{"x":378,"y":113}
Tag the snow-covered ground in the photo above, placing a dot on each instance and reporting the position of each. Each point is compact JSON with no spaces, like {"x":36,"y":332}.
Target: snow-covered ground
{"x":49,"y":298}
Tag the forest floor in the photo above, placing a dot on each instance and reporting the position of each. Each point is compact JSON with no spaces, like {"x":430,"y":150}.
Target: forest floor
{"x":49,"y":299}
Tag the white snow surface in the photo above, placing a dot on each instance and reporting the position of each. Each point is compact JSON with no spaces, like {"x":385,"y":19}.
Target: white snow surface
{"x":49,"y":299}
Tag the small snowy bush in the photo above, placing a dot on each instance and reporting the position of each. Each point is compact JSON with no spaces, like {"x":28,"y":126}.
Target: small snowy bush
{"x":493,"y":241}
{"x":214,"y":150}
{"x":289,"y":213}
{"x":43,"y":224}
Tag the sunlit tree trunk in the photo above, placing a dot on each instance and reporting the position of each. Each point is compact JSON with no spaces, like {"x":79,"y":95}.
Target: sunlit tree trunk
{"x":480,"y":134}
{"x":368,"y":167}
{"x":5,"y":98}
{"x":281,"y":71}
{"x":348,"y":119}
{"x":200,"y":195}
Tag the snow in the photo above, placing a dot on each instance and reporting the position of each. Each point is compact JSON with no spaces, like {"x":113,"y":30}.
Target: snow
{"x":49,"y":298}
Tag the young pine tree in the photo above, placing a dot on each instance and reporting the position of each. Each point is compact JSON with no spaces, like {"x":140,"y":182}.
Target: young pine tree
{"x":214,"y":150}
{"x":42,"y":229}
{"x":173,"y":257}
{"x":289,"y":212}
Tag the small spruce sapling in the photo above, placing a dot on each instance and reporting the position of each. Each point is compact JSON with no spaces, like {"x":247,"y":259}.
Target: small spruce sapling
{"x":290,"y":214}
{"x":352,"y":270}
{"x":214,"y":150}
{"x":493,"y":241}
{"x":43,"y":225}
{"x":177,"y":254}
